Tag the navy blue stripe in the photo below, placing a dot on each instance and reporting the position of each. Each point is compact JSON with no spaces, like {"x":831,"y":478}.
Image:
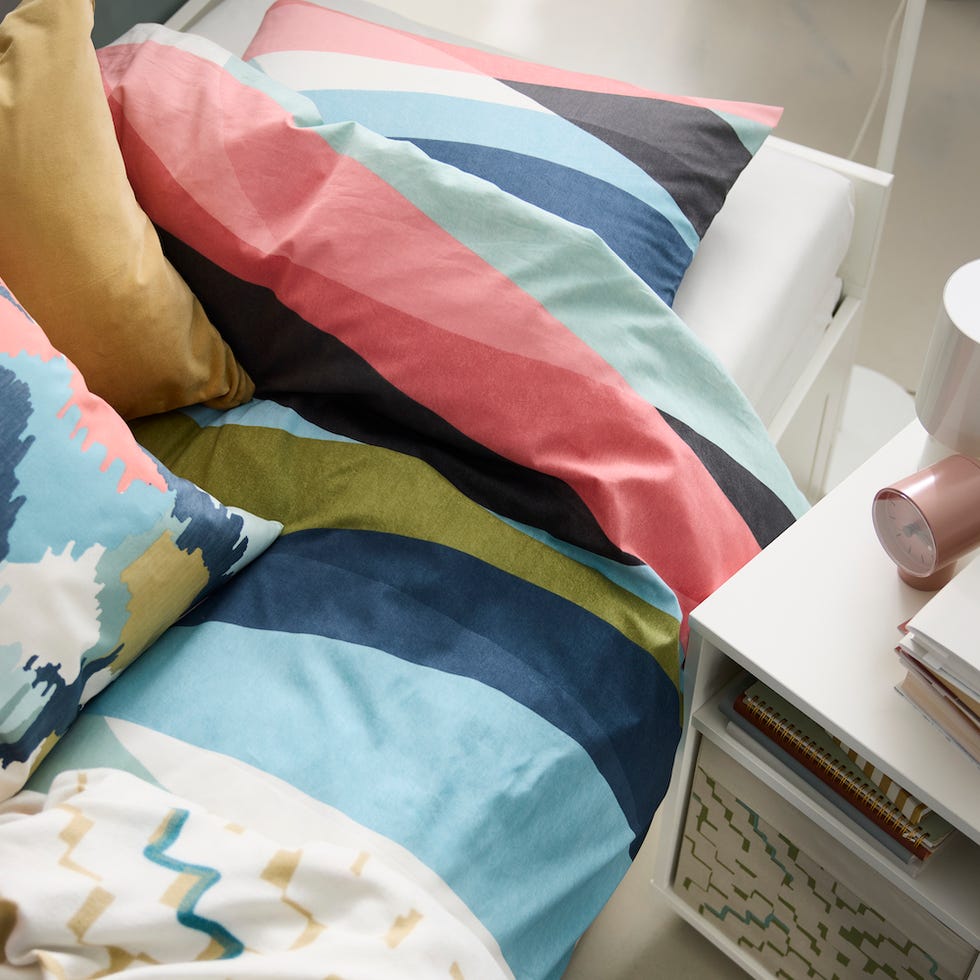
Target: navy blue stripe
{"x":639,"y":234}
{"x":690,"y":150}
{"x":437,"y":607}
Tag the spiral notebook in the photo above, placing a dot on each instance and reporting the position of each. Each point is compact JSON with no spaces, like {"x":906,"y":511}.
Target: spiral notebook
{"x":892,"y":815}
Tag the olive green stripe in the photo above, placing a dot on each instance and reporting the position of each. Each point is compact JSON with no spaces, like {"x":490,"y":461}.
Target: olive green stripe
{"x":311,"y":483}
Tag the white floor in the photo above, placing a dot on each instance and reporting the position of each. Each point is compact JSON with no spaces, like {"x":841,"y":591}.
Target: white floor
{"x":876,"y":409}
{"x":638,"y":937}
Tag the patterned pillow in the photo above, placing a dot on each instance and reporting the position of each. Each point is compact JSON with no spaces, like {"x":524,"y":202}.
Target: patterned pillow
{"x":76,"y":248}
{"x":647,"y":172}
{"x":101,"y":547}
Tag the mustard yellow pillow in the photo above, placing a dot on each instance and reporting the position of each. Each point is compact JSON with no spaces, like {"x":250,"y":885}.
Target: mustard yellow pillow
{"x":75,"y":246}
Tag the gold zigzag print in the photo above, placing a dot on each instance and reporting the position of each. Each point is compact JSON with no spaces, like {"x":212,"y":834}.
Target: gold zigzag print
{"x":72,"y":835}
{"x":75,"y":832}
{"x":95,"y":904}
{"x":279,"y":873}
{"x":401,"y":927}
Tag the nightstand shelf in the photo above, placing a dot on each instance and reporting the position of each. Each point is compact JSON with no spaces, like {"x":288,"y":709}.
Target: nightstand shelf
{"x":816,"y":618}
{"x":939,"y":886}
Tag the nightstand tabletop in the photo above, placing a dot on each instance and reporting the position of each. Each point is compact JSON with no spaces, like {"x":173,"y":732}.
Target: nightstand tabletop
{"x":816,"y":616}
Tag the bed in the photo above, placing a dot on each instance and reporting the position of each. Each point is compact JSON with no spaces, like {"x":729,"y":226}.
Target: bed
{"x":374,"y":414}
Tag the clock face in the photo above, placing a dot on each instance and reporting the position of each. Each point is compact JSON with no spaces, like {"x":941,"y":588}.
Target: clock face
{"x":904,"y":533}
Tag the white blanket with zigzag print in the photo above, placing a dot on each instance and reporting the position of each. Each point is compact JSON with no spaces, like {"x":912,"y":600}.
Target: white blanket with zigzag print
{"x":108,"y":874}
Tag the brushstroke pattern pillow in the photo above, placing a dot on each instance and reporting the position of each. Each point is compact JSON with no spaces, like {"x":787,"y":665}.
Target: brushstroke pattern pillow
{"x":101,"y":547}
{"x":645,"y":171}
{"x":396,"y":300}
{"x":75,"y":246}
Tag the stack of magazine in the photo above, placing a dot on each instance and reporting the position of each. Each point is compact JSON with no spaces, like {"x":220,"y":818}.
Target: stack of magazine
{"x":905,"y":827}
{"x":940,"y":649}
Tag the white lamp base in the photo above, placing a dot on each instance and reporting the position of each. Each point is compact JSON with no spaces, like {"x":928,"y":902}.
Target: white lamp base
{"x":947,"y":401}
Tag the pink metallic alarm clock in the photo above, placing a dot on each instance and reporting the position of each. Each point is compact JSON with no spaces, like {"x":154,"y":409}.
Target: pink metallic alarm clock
{"x":927,"y":521}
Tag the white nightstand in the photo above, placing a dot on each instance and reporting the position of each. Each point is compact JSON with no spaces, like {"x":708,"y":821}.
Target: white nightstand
{"x":751,"y":855}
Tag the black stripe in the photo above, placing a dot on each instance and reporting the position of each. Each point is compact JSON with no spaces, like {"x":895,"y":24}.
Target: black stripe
{"x":690,"y":151}
{"x":324,"y":381}
{"x":761,"y":509}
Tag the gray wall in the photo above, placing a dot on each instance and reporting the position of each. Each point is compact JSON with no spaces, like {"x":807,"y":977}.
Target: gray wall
{"x":114,"y":17}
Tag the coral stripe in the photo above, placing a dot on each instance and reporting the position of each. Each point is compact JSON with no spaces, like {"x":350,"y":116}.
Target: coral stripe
{"x":97,"y":421}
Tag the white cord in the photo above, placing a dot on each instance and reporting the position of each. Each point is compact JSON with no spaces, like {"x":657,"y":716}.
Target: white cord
{"x":882,"y":77}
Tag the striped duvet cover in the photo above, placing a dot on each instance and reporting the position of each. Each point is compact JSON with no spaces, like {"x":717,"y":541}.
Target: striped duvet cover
{"x":506,"y":473}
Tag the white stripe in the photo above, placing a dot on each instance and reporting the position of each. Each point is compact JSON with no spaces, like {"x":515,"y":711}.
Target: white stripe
{"x":318,"y":70}
{"x":273,"y":807}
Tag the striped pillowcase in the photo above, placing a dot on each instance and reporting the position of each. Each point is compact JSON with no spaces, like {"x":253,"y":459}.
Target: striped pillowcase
{"x":646,"y":171}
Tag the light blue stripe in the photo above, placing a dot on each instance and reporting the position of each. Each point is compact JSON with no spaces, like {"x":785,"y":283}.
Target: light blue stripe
{"x":508,"y":810}
{"x":418,"y":115}
{"x":641,"y":580}
{"x":263,"y":415}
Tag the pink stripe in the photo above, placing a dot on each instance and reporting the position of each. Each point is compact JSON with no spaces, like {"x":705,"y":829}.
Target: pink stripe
{"x":20,"y":335}
{"x":542,"y":398}
{"x":296,"y":25}
{"x":367,"y":254}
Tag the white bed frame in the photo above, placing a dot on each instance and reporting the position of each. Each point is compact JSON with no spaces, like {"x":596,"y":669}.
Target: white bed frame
{"x":806,"y":424}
